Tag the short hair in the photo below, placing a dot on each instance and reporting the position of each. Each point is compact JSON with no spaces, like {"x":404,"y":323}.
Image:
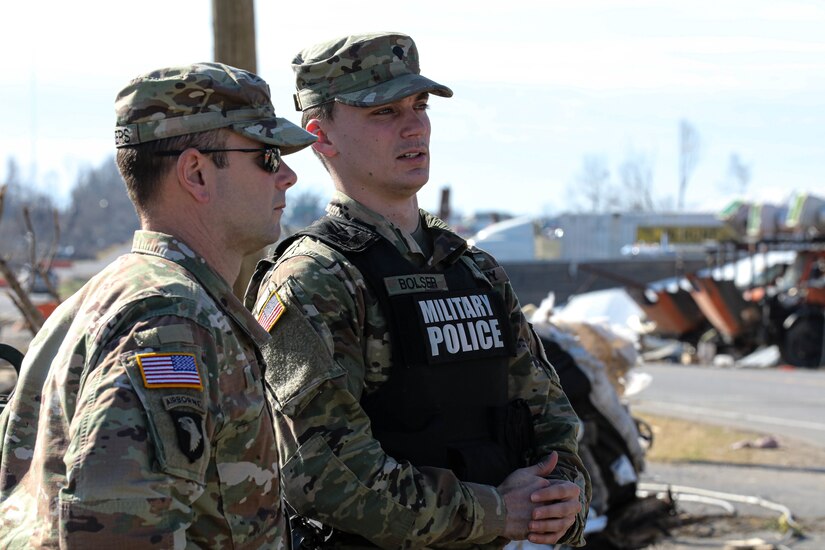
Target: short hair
{"x":142,"y":168}
{"x":321,"y":112}
{"x":324,"y":111}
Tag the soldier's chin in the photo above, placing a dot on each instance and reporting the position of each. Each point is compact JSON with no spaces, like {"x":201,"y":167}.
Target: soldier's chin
{"x":418,"y":178}
{"x":263,"y":241}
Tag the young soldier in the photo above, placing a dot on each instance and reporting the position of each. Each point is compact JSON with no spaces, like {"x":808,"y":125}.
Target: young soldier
{"x":139,"y":420}
{"x":414,"y":404}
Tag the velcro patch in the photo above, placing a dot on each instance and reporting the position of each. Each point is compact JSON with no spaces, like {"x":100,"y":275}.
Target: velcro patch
{"x":271,"y":311}
{"x":169,"y":370}
{"x":183,"y":401}
{"x":497,"y":275}
{"x":411,"y":284}
{"x":189,"y":429}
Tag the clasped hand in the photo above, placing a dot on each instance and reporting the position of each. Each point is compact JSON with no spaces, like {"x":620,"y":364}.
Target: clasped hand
{"x":539,"y":509}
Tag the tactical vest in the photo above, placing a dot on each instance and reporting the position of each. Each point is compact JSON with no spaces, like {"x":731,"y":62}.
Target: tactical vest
{"x":445,"y":403}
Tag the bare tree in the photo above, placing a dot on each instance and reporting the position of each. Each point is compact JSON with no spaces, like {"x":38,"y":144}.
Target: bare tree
{"x":593,"y":180}
{"x":689,"y":145}
{"x":100,"y":213}
{"x":636,"y":174}
{"x":38,"y":267}
{"x":304,"y":208}
{"x":739,"y":173}
{"x":12,"y":171}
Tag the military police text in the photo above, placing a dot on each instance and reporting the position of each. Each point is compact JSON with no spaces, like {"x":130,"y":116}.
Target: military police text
{"x":474,"y":328}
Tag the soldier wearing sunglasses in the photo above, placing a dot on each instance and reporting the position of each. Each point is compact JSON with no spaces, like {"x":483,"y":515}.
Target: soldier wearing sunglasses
{"x":139,"y":419}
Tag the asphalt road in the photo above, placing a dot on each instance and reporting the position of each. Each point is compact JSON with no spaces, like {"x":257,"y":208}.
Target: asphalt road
{"x":780,"y":402}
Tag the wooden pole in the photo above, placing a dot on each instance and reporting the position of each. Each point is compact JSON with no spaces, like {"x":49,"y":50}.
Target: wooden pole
{"x":233,"y":25}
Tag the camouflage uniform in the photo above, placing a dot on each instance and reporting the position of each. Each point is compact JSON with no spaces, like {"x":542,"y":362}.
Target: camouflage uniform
{"x":92,"y":457}
{"x":176,"y":101}
{"x":363,"y":70}
{"x":332,"y":346}
{"x":139,"y":419}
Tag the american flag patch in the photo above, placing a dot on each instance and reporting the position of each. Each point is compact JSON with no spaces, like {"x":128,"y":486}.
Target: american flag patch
{"x":271,"y":312}
{"x":169,"y":370}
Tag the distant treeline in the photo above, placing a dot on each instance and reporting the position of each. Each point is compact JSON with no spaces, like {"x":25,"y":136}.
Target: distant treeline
{"x":99,"y":214}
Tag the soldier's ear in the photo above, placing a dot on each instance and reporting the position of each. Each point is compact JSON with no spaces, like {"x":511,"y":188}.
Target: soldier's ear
{"x":191,"y":170}
{"x":324,"y":145}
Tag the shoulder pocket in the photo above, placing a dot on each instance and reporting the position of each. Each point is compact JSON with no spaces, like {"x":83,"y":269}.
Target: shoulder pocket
{"x":169,"y":383}
{"x":297,"y":358}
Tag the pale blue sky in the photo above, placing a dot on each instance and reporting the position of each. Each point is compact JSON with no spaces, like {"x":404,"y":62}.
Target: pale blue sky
{"x":538,"y":85}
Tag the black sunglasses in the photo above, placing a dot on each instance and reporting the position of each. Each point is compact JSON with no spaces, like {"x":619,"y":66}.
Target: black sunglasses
{"x":271,"y":155}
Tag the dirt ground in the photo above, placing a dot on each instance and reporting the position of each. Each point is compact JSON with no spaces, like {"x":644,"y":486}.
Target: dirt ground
{"x":676,"y":440}
{"x":774,"y":488}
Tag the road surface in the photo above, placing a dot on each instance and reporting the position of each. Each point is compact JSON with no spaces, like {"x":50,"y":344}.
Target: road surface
{"x":780,"y":402}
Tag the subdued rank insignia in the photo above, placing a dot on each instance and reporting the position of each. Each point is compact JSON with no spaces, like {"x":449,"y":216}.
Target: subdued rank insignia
{"x":271,"y":311}
{"x":189,"y":428}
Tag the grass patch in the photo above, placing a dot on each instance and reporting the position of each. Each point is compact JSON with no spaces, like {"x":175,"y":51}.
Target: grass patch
{"x":677,"y":440}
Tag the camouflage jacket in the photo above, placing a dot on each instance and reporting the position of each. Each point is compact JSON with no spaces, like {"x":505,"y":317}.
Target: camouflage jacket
{"x":139,"y":419}
{"x":331,"y":346}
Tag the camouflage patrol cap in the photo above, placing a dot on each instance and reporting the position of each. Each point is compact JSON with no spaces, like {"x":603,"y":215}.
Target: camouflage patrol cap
{"x":361,"y":70}
{"x":176,"y":101}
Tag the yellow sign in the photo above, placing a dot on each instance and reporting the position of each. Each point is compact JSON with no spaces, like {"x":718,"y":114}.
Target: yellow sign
{"x":682,"y":234}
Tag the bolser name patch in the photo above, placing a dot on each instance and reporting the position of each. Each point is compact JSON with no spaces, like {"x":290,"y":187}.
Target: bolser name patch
{"x":409,"y":284}
{"x":460,"y":326}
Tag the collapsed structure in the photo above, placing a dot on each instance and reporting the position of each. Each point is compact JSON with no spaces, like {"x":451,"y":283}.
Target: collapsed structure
{"x":780,"y":299}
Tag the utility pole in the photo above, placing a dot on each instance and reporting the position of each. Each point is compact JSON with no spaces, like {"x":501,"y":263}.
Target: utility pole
{"x":233,"y":28}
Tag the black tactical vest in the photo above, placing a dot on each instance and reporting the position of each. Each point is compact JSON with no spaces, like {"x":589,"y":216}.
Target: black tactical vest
{"x":446,"y":401}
